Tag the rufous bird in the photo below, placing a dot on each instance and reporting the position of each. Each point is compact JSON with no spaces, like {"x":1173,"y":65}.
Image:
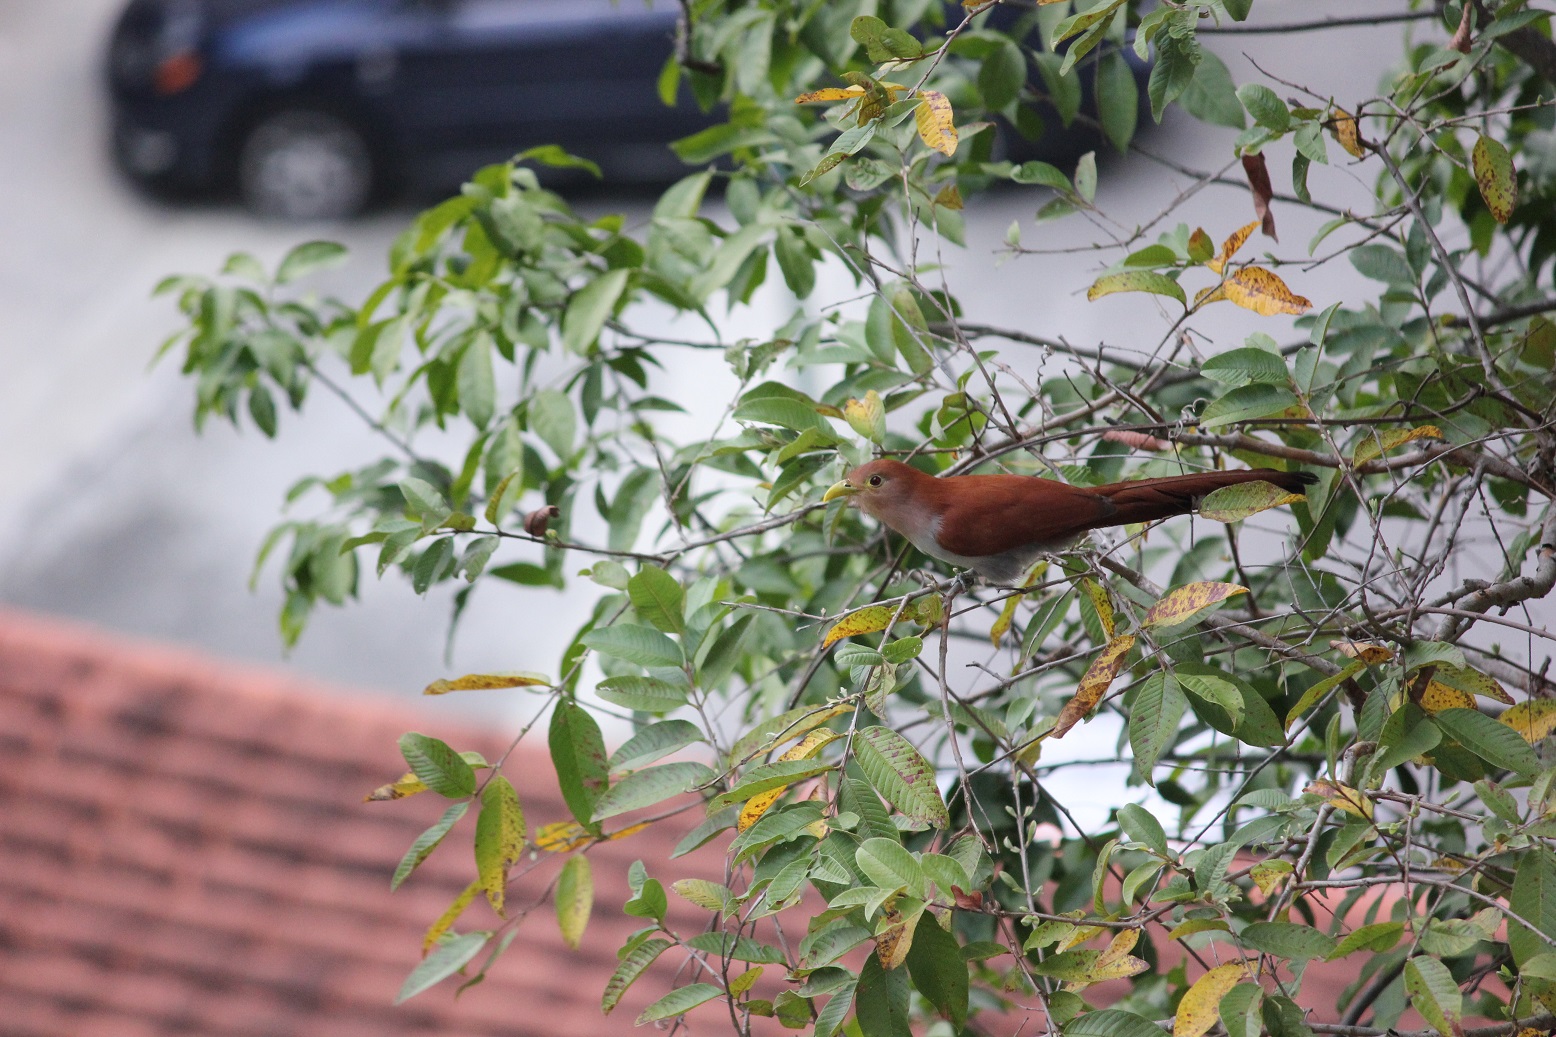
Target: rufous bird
{"x":999,"y":525}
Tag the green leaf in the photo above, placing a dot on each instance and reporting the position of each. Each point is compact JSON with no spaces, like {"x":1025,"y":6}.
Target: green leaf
{"x":655,"y":741}
{"x":1176,"y":59}
{"x":309,"y":258}
{"x":1002,"y":74}
{"x":881,"y":1000}
{"x":438,"y":766}
{"x":647,"y":787}
{"x":1288,"y":940}
{"x":636,"y":644}
{"x":657,"y":598}
{"x":477,"y":385}
{"x":1137,"y":281}
{"x":1246,"y":365}
{"x":589,"y":309}
{"x":578,"y":754}
{"x":646,"y":694}
{"x":1435,"y":994}
{"x":939,"y":971}
{"x":1153,"y":722}
{"x":679,"y":1001}
{"x":1142,"y":827}
{"x":1210,"y":96}
{"x":1111,"y":1022}
{"x":782,"y":411}
{"x":1118,"y":99}
{"x":1378,"y":938}
{"x":445,"y":960}
{"x":1497,"y":744}
{"x":889,"y":866}
{"x":552,"y":418}
{"x":638,"y":959}
{"x":1266,"y":107}
{"x":1247,"y":403}
{"x":1533,"y":899}
{"x":426,"y":842}
{"x":902,"y":776}
{"x":1382,"y":263}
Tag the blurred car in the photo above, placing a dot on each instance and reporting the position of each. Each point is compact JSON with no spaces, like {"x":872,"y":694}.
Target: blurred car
{"x":312,"y":108}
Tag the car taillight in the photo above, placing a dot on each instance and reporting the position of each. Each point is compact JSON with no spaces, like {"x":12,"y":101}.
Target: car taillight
{"x":177,"y":73}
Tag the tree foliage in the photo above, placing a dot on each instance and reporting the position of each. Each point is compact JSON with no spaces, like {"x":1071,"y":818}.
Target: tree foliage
{"x":1335,"y":713}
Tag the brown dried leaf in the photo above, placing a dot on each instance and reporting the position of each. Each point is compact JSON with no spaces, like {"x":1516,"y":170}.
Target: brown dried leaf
{"x":1098,"y":676}
{"x":1347,"y":133}
{"x":536,"y":521}
{"x":1258,"y":175}
{"x":893,"y":942}
{"x":1461,"y":36}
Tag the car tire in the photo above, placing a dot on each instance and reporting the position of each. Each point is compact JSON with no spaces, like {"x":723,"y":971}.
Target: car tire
{"x":305,"y":164}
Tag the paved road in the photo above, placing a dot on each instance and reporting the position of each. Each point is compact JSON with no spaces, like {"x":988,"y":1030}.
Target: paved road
{"x":113,"y":512}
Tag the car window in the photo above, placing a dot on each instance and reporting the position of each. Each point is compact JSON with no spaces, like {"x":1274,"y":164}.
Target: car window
{"x":478,"y":15}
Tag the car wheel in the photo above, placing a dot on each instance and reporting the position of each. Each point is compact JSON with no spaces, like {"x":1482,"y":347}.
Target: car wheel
{"x":305,"y":164}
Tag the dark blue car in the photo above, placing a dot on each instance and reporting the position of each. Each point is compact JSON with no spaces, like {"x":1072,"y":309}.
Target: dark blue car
{"x":311,"y":108}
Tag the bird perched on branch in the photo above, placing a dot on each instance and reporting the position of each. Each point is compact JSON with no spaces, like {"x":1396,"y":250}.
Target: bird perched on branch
{"x":998,"y":525}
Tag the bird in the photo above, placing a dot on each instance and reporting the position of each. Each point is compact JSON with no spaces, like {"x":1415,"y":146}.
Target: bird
{"x":999,"y":525}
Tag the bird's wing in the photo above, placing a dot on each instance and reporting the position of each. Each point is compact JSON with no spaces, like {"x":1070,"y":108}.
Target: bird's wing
{"x":984,"y":515}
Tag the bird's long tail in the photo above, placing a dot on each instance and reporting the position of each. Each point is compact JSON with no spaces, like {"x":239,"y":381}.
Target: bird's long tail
{"x":1146,"y":500}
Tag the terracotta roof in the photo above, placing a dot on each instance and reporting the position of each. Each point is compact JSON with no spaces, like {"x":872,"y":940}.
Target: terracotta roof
{"x":184,"y":849}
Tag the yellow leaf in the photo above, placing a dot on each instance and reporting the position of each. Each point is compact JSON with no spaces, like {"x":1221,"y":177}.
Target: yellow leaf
{"x":1378,"y":444}
{"x":561,"y":836}
{"x":1080,"y":934}
{"x":759,"y":804}
{"x":933,"y":118}
{"x":867,"y":416}
{"x":867,"y":620}
{"x":893,"y":942}
{"x":1230,"y":246}
{"x":1535,"y":720}
{"x":499,"y":839}
{"x":1368,"y":652}
{"x":1472,"y":681}
{"x":1121,"y":944}
{"x":1121,"y":968}
{"x":1008,"y":613}
{"x":574,"y":899}
{"x":930,"y":611}
{"x":1342,"y":797}
{"x":449,"y":917}
{"x":1346,"y":132}
{"x":1098,"y":676}
{"x":1200,"y":1008}
{"x":1099,"y":600}
{"x":1206,"y":296}
{"x":1257,"y":289}
{"x":1439,"y":696}
{"x":487,"y":681}
{"x":831,"y":93}
{"x":1182,"y":604}
{"x":745,"y":981}
{"x":1496,"y":178}
{"x":1269,"y":874}
{"x":405,"y":785}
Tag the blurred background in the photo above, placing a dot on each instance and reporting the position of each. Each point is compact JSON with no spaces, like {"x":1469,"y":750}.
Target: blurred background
{"x":113,"y":511}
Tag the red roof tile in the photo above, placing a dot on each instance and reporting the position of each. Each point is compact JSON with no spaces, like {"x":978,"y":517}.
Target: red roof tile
{"x":184,"y":850}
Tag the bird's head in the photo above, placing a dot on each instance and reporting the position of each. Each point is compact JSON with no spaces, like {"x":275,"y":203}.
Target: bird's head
{"x":879,"y":487}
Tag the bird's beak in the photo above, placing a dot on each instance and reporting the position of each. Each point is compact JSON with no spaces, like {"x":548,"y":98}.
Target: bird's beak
{"x":838,"y":491}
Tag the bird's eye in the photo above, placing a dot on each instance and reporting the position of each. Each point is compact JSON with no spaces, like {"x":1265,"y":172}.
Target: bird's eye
{"x":875,"y":480}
